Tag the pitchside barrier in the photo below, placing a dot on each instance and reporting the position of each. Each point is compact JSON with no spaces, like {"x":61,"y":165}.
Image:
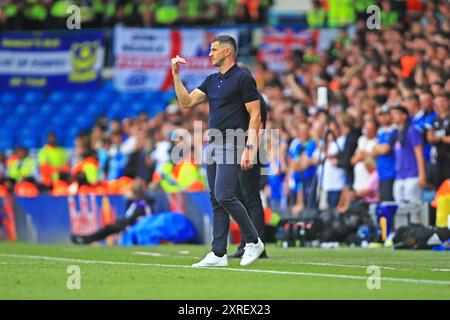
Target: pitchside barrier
{"x":50,"y":219}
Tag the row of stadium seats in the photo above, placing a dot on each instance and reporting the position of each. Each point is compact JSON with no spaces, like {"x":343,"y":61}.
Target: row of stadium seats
{"x":28,"y":116}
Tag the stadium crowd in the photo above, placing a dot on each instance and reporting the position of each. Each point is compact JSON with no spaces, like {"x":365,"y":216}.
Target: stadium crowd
{"x":52,"y":14}
{"x":383,"y":135}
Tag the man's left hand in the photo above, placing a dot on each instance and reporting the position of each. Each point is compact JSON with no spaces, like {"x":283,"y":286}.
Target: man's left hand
{"x":247,"y":159}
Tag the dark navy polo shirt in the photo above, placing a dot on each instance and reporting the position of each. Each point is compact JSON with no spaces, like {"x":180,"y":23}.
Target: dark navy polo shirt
{"x":227,"y":95}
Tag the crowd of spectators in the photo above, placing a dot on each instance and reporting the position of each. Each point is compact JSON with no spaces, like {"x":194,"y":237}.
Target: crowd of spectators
{"x":53,"y":14}
{"x":136,"y":148}
{"x":384,"y":134}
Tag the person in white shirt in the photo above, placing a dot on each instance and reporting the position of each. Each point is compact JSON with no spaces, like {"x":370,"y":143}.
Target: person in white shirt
{"x":366,"y":145}
{"x":332,"y":179}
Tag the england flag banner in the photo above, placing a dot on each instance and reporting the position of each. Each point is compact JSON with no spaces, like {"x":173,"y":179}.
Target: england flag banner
{"x":142,"y":56}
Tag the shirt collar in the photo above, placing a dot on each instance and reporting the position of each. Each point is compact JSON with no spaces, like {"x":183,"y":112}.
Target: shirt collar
{"x":229,"y":71}
{"x":419,"y":114}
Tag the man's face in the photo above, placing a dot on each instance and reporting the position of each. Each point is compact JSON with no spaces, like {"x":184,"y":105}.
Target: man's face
{"x":218,"y":53}
{"x":51,"y":139}
{"x":441,"y":106}
{"x":426,"y":101}
{"x":21,"y":153}
{"x":384,"y":119}
{"x":411,"y":105}
{"x":398,"y":117}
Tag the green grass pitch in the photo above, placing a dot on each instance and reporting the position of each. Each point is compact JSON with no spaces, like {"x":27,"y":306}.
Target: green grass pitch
{"x":163,"y":272}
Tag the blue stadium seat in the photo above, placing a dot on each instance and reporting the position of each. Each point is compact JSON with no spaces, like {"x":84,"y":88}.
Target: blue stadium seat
{"x":168,"y":95}
{"x":69,"y":141}
{"x":116,"y":107}
{"x":24,"y":110}
{"x":106,"y":97}
{"x":8,"y":98}
{"x":68,"y":110}
{"x":12,"y":124}
{"x":157,"y":106}
{"x":151,"y":96}
{"x":82,"y":96}
{"x":3,"y":113}
{"x":35,"y":122}
{"x":108,"y":85}
{"x":59,"y":96}
{"x":84,"y":121}
{"x":95,"y":108}
{"x":27,"y":140}
{"x":25,"y":131}
{"x":33,"y":97}
{"x":128,"y":98}
{"x":48,"y":109}
{"x":137,"y":107}
{"x":6,"y":143}
{"x":59,"y":121}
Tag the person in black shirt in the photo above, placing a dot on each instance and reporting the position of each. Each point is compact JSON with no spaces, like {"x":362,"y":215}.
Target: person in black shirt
{"x":233,"y":104}
{"x":247,"y":190}
{"x":439,"y":136}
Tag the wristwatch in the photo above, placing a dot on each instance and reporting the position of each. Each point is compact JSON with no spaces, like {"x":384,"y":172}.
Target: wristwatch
{"x":250,"y":147}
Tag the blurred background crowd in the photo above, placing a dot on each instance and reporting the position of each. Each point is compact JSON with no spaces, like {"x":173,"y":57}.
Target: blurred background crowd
{"x":383,"y":133}
{"x":51,"y":14}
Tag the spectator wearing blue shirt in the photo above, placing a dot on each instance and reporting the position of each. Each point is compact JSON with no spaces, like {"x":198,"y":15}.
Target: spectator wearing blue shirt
{"x":409,"y":160}
{"x":422,"y":117}
{"x":301,"y":153}
{"x":275,"y":178}
{"x":117,"y":159}
{"x":384,"y":153}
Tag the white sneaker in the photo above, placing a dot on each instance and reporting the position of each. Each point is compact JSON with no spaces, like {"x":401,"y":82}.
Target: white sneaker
{"x":252,"y":252}
{"x":211,"y":260}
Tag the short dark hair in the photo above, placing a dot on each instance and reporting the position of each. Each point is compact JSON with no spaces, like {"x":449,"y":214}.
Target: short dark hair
{"x":400,"y":108}
{"x":226,"y":39}
{"x":413,"y":97}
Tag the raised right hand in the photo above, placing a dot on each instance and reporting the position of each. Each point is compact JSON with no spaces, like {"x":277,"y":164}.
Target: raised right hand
{"x":176,"y":63}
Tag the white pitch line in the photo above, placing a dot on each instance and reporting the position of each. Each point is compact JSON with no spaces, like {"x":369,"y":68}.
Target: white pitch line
{"x":441,"y":270}
{"x":305,"y":274}
{"x":157,"y":254}
{"x":326,"y":264}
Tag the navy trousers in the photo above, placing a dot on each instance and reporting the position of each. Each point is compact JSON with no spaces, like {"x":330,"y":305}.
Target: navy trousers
{"x":222,"y":180}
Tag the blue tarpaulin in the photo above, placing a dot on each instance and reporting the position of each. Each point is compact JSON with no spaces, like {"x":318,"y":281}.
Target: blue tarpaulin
{"x":165,"y":226}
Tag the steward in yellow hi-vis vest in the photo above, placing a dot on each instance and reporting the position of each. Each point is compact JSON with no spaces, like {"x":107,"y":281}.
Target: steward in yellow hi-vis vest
{"x":52,"y":161}
{"x":184,"y":176}
{"x":341,"y":13}
{"x":88,"y":167}
{"x":316,"y":18}
{"x":20,"y":166}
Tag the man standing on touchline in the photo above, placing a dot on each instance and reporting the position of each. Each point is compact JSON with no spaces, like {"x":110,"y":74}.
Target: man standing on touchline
{"x":233,"y":104}
{"x":248,"y":186}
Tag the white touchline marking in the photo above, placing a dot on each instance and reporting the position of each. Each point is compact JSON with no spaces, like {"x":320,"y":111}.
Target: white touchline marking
{"x":441,"y":270}
{"x":306,"y":274}
{"x":337,"y":265}
{"x":157,"y":254}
